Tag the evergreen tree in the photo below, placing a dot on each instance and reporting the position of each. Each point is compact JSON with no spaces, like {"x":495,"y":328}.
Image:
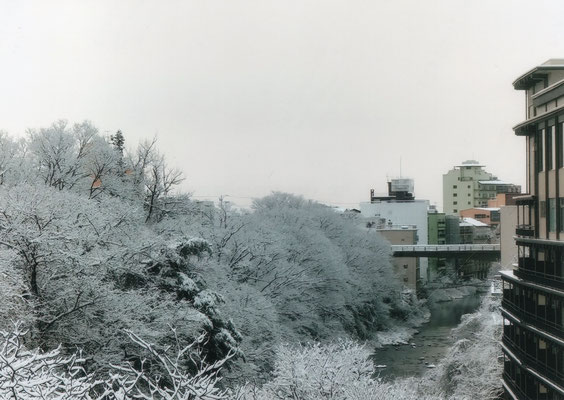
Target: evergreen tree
{"x":117,"y":141}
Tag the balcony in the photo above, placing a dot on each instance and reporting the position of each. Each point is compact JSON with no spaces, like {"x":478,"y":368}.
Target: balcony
{"x":525,"y":230}
{"x":541,"y":272}
{"x":517,"y":391}
{"x":529,"y":316}
{"x":541,"y":278}
{"x":527,"y":360}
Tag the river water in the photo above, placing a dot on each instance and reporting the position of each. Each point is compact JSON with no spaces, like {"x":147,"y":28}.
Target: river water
{"x":429,"y":345}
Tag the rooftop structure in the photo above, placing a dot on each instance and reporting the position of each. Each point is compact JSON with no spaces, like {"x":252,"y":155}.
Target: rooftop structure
{"x":399,"y":207}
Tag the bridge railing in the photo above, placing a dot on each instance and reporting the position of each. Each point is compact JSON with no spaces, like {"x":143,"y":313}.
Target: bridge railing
{"x":445,"y":248}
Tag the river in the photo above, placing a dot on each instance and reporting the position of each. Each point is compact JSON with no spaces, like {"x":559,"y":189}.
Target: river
{"x":429,"y":345}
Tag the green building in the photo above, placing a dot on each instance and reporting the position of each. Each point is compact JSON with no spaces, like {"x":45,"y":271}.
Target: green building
{"x":436,"y":228}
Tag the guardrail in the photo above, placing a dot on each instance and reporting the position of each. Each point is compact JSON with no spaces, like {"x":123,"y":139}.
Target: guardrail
{"x":418,"y":248}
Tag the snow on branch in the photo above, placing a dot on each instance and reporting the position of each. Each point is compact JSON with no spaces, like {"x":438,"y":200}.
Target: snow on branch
{"x":135,"y":381}
{"x":32,"y":374}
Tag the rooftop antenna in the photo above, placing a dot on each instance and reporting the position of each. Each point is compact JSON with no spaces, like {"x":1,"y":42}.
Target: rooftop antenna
{"x":400,"y":167}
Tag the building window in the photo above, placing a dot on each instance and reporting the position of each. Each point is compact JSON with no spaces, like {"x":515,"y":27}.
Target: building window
{"x":539,"y":155}
{"x":454,"y":195}
{"x":553,"y":161}
{"x":468,"y":194}
{"x":405,"y":266}
{"x":454,"y":186}
{"x":455,"y":210}
{"x":468,"y":202}
{"x":548,"y":147}
{"x":468,"y":186}
{"x":541,"y":300}
{"x":551,"y":215}
{"x":562,"y":215}
{"x":542,"y":209}
{"x":560,"y":152}
{"x":455,"y":202}
{"x":542,"y":389}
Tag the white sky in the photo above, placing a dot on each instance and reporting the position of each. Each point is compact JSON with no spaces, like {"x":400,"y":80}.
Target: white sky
{"x":319,"y":98}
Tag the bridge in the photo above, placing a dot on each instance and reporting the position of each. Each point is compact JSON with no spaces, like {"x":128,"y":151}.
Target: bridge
{"x":488,"y":251}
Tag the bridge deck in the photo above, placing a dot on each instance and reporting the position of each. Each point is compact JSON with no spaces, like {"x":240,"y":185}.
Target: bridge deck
{"x":448,"y":250}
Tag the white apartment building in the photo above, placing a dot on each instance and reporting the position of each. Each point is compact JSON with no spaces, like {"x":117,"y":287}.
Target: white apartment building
{"x":400,"y":208}
{"x":468,"y":185}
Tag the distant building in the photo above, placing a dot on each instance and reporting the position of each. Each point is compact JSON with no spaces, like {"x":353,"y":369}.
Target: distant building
{"x":503,"y":199}
{"x":473,"y":231}
{"x":436,"y":227}
{"x":486,"y":215}
{"x":468,"y":185}
{"x":407,"y":268}
{"x":399,"y":207}
{"x":452,"y":231}
{"x":437,"y":232}
{"x":533,"y":292}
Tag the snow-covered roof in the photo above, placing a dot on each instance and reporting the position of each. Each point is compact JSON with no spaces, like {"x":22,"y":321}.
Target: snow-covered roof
{"x":470,"y":163}
{"x":472,"y":222}
{"x":494,"y":183}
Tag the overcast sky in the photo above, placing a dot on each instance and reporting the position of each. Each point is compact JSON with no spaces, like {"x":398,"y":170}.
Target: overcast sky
{"x":319,"y":98}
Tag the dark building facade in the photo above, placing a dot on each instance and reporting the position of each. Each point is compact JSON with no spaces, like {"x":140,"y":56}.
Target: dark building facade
{"x":533,"y":292}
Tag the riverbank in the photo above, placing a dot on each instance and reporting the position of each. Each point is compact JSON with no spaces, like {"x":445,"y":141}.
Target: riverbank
{"x":402,"y":334}
{"x":410,"y":352}
{"x":440,"y":295}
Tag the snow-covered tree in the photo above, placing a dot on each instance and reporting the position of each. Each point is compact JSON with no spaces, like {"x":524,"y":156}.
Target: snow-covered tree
{"x":59,"y":153}
{"x":32,"y":374}
{"x":153,"y":179}
{"x":185,"y":374}
{"x":340,"y":370}
{"x":473,"y":367}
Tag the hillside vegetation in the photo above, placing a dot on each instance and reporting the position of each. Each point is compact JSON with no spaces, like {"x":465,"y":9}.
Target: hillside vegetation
{"x":97,"y":245}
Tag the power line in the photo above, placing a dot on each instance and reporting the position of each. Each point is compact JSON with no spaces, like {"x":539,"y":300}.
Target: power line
{"x":258,"y":197}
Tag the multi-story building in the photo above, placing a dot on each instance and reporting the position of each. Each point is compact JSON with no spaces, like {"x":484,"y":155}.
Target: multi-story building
{"x":487,"y":215}
{"x":436,"y":234}
{"x":468,"y":185}
{"x":533,"y":292}
{"x":436,"y":226}
{"x":399,"y":207}
{"x":407,"y":268}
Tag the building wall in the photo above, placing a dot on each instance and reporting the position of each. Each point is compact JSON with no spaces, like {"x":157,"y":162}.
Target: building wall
{"x":405,"y":267}
{"x":437,"y":235}
{"x":507,"y":242}
{"x":452,"y":223}
{"x":462,"y":190}
{"x":402,"y":213}
{"x":503,"y":199}
{"x":436,"y":228}
{"x":460,"y":186}
{"x":490,"y":217}
{"x":533,"y":292}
